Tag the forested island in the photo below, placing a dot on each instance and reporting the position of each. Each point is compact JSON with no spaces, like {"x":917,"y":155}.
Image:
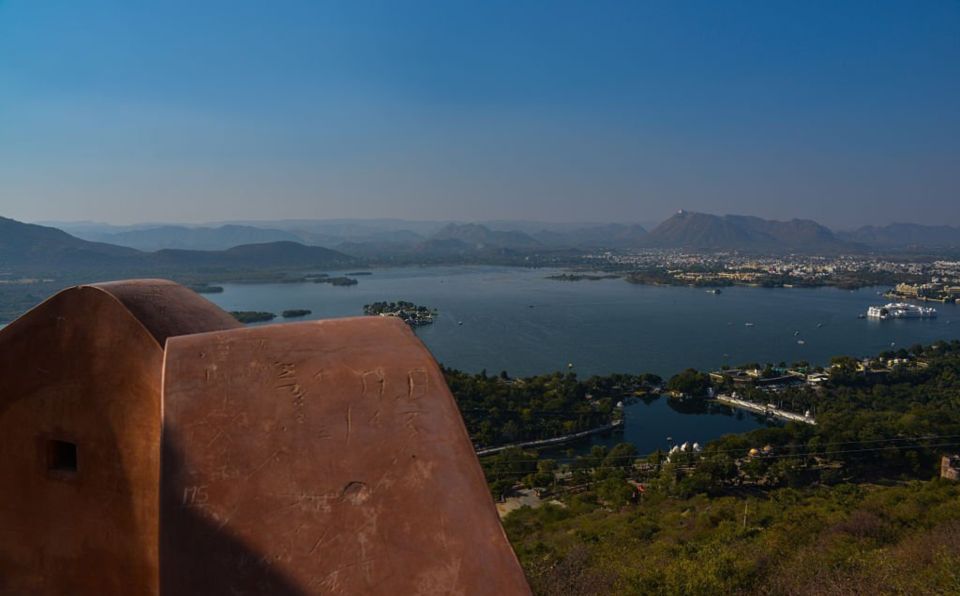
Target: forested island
{"x":252,"y":316}
{"x":854,"y":503}
{"x":583,"y":276}
{"x":324,"y":278}
{"x":408,"y":312}
{"x":257,"y":316}
{"x":206,"y":289}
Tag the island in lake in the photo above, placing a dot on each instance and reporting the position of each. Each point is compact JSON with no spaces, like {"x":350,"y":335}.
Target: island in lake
{"x":582,"y":276}
{"x":252,"y":316}
{"x":410,"y":313}
{"x":323,"y":278}
{"x":207,"y":289}
{"x":295,"y":312}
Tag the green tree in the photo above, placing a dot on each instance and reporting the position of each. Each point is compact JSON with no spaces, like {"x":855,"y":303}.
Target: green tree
{"x":690,"y":382}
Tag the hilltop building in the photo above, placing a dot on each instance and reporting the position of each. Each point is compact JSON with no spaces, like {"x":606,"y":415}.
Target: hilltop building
{"x":150,"y":444}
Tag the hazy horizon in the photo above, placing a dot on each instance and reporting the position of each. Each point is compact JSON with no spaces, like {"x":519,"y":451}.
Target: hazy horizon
{"x":846,"y":113}
{"x":492,"y":223}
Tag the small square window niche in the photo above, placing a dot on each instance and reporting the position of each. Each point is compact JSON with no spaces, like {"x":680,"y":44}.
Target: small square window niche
{"x":61,"y":456}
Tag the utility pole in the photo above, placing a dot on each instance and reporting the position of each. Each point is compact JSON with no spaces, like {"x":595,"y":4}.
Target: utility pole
{"x":745,"y":503}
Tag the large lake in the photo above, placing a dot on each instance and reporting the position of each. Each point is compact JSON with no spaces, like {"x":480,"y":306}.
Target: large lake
{"x":517,"y":320}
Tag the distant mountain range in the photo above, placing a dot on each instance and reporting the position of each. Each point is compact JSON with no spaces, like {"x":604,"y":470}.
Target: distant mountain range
{"x":333,"y":233}
{"x":595,"y":236}
{"x":199,"y":238}
{"x":218,"y":236}
{"x":34,"y":249}
{"x":701,"y":231}
{"x":334,"y":243}
{"x":481,"y":237}
{"x":367,"y":238}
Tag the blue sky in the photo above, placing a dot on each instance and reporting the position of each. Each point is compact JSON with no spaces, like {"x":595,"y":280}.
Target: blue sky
{"x":125,"y":111}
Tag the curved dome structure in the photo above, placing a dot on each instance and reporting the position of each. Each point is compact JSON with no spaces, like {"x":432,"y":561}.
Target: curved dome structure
{"x":149,"y":444}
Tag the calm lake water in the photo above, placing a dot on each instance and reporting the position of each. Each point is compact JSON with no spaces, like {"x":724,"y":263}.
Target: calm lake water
{"x":516,"y":320}
{"x":663,"y":423}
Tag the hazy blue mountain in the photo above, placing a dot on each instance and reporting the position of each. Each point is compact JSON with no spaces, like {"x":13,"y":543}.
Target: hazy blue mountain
{"x":376,"y":250}
{"x":370,"y":236}
{"x":364,"y":235}
{"x":481,"y":237}
{"x":533,"y":227}
{"x":693,"y":230}
{"x":264,"y":255}
{"x":194,"y":238}
{"x":597,"y":236}
{"x":452,"y":242}
{"x":347,"y":229}
{"x":34,"y":249}
{"x":905,"y":235}
{"x":81,"y":229}
{"x":330,"y":234}
{"x":31,"y":247}
{"x":432,"y":250}
{"x":377,"y":238}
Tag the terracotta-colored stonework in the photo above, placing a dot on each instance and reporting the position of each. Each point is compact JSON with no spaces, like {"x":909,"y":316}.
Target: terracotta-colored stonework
{"x":149,"y":444}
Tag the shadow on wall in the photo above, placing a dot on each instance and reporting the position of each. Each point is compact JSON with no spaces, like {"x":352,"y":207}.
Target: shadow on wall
{"x":230,"y":567}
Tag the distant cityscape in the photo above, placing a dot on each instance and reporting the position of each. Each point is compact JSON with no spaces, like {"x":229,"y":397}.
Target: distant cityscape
{"x":912,"y":279}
